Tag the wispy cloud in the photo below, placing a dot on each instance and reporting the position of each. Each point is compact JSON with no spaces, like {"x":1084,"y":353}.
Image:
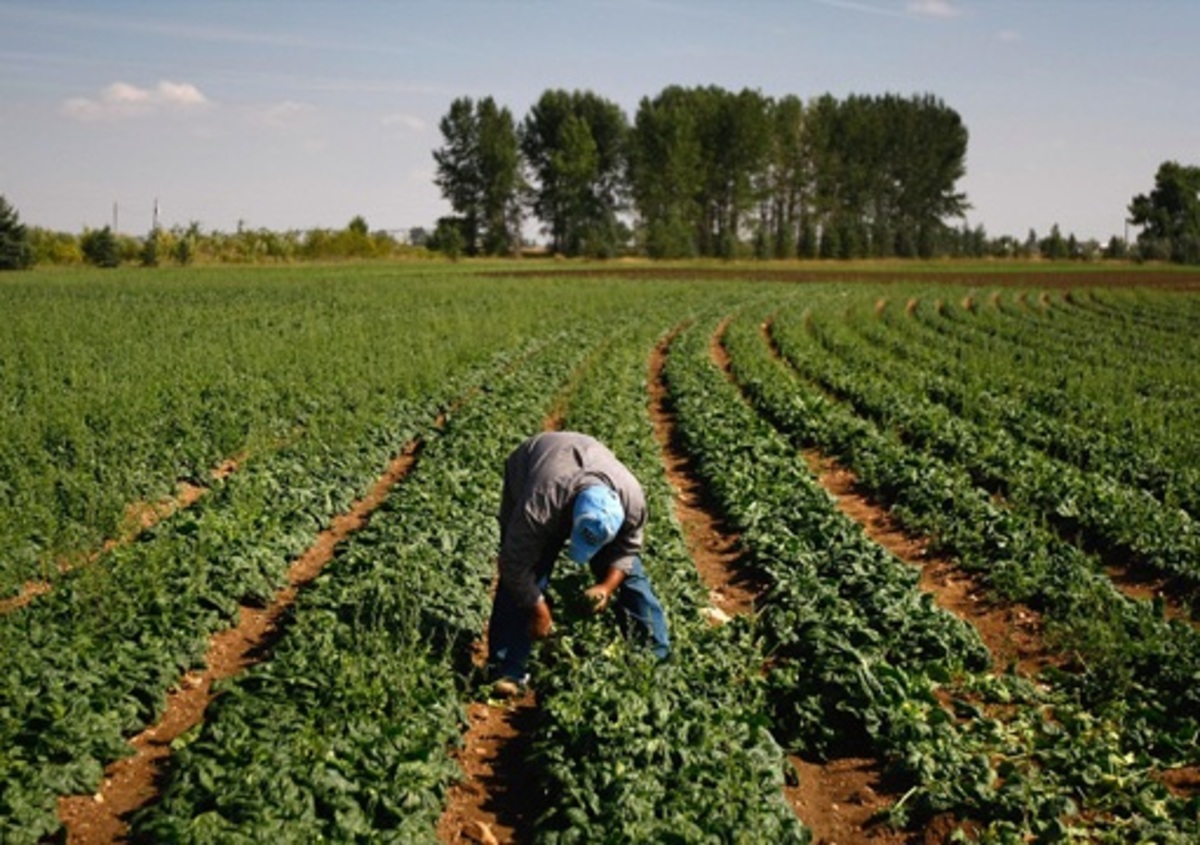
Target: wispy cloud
{"x":867,"y":8}
{"x":933,"y":9}
{"x":122,"y":100}
{"x":1008,"y":35}
{"x":408,"y":122}
{"x":284,"y":113}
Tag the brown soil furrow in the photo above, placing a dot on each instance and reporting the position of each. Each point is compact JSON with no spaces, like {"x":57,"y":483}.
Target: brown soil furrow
{"x":713,"y":545}
{"x":133,"y":782}
{"x":1012,"y":633}
{"x":138,"y":518}
{"x":493,"y":802}
{"x":1135,"y":583}
{"x":839,"y":799}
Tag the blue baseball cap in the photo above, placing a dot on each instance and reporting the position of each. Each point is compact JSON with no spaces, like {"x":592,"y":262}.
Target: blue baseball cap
{"x":597,"y":518}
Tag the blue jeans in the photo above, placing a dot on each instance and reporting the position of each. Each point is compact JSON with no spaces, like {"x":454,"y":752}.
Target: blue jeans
{"x":638,"y":610}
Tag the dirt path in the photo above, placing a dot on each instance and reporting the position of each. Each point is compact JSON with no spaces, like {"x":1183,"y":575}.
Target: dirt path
{"x":837,"y":799}
{"x":1011,"y":632}
{"x":139,"y":517}
{"x":714,"y":547}
{"x":493,"y":803}
{"x":132,"y":782}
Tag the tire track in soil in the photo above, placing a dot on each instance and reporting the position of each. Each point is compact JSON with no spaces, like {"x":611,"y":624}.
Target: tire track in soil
{"x":139,"y":518}
{"x":133,"y":782}
{"x":838,"y":800}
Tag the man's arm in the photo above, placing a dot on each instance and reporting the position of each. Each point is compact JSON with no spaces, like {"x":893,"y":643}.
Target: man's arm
{"x":541,"y":623}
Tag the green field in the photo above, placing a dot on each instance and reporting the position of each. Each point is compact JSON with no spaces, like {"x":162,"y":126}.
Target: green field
{"x":1040,"y":427}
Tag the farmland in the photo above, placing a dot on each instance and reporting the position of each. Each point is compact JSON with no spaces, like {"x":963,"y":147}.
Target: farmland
{"x":319,"y":451}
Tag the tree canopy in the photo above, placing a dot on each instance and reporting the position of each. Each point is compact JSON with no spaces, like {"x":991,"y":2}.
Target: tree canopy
{"x":479,"y":172}
{"x":703,"y":171}
{"x":15,"y":250}
{"x":1170,"y":215}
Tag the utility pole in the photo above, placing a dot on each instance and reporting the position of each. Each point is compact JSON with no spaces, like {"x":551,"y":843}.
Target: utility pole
{"x":154,"y":225}
{"x":114,"y":217}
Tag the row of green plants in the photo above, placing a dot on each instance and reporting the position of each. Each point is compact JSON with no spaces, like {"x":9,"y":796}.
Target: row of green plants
{"x":344,"y":733}
{"x":1079,"y":753}
{"x":115,"y":387}
{"x":615,"y":725}
{"x":857,"y":655}
{"x":1109,"y":309}
{"x":1134,"y":309}
{"x":1144,"y":401}
{"x":1118,"y":521}
{"x":969,"y":379}
{"x":88,"y":664}
{"x":630,"y":749}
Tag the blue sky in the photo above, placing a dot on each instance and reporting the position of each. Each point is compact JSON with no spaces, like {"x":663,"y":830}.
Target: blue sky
{"x":302,"y":114}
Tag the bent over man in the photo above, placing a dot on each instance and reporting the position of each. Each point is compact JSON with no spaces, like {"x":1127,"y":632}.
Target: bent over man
{"x":560,"y":487}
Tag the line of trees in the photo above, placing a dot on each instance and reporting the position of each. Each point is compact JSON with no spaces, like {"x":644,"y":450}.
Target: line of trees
{"x":704,"y":171}
{"x":23,"y":246}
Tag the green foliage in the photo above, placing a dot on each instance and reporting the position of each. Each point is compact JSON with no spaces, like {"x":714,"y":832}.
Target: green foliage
{"x":574,"y":143}
{"x":1129,"y":660}
{"x":1170,"y":214}
{"x":1013,"y":433}
{"x":16,"y":252}
{"x":100,"y":248}
{"x":152,"y":248}
{"x":448,"y":237}
{"x":478,"y":171}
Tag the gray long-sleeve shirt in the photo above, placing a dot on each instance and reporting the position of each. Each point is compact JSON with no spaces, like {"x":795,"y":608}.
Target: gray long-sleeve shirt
{"x":541,"y":478}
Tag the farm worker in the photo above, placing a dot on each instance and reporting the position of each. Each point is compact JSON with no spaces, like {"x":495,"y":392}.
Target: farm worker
{"x":567,"y":488}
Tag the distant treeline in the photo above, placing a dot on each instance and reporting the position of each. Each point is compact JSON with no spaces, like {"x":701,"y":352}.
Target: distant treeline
{"x":705,"y":172}
{"x":22,"y":246}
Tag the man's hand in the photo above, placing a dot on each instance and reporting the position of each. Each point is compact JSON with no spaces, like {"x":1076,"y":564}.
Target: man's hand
{"x":542,"y":623}
{"x":599,"y":596}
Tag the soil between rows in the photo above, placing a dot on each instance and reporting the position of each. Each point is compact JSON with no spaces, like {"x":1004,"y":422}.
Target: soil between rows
{"x":139,"y":518}
{"x":134,"y":782}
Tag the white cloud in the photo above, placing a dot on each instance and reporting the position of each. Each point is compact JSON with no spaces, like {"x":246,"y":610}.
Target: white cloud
{"x":122,"y":100}
{"x":287,"y":112}
{"x":1008,"y":35}
{"x":933,"y":9}
{"x":868,"y":8}
{"x":404,"y":121}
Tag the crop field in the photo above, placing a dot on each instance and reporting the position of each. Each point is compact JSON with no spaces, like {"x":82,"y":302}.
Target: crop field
{"x":927,"y":540}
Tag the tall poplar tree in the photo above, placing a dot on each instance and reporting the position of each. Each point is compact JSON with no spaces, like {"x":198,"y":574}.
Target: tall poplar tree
{"x":575,"y":146}
{"x":479,"y":173}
